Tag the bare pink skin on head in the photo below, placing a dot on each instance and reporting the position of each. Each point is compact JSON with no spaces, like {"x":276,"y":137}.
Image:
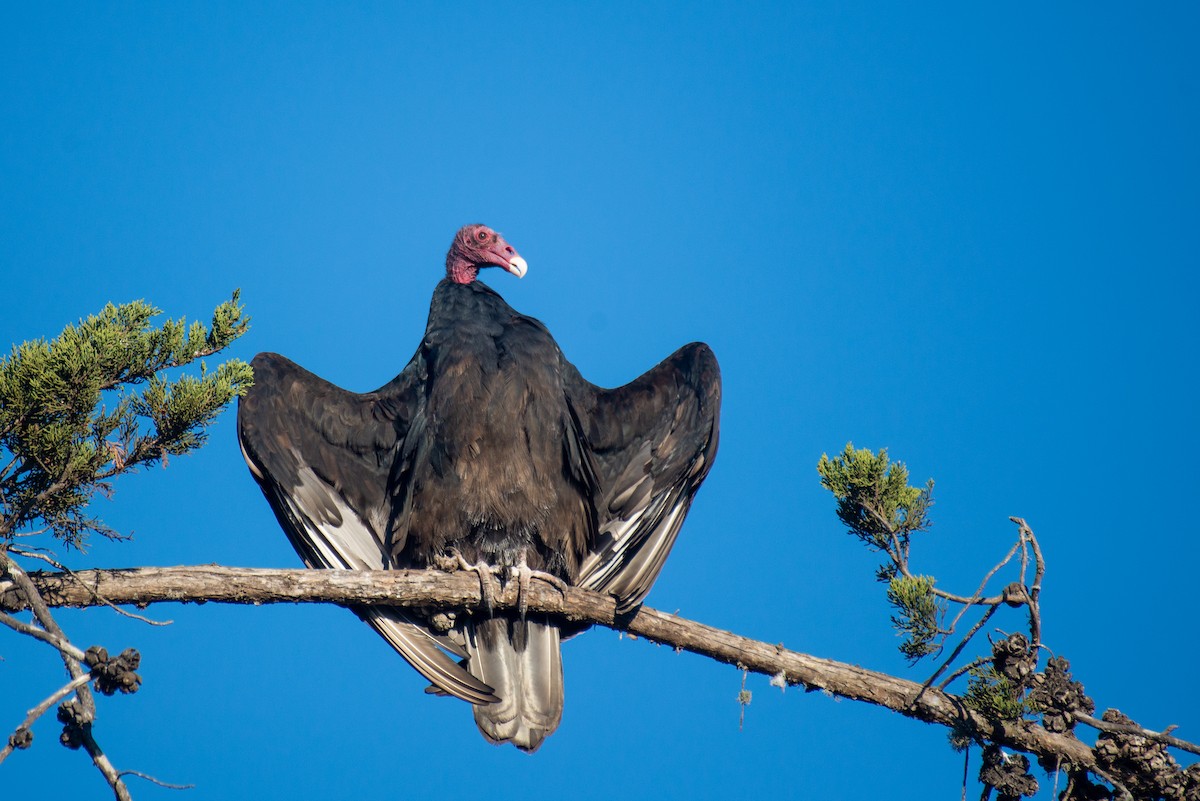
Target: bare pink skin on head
{"x":477,"y":246}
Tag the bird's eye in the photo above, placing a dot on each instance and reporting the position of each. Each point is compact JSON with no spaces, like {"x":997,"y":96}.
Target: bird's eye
{"x":481,"y":235}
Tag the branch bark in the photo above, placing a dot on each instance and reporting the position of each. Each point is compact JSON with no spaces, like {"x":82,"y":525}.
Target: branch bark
{"x":434,"y":589}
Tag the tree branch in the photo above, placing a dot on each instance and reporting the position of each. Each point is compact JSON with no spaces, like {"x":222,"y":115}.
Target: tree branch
{"x":1163,"y":737}
{"x":101,"y":761}
{"x":435,"y":589}
{"x":32,"y":715}
{"x":33,"y":599}
{"x":64,"y":647}
{"x":26,"y":587}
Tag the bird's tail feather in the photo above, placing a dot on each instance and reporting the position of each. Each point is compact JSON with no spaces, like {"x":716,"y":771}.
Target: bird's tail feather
{"x":522,"y":661}
{"x":421,"y":650}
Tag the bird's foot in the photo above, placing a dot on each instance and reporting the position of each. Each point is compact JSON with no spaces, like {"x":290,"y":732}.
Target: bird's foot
{"x":487,"y":590}
{"x":525,"y":576}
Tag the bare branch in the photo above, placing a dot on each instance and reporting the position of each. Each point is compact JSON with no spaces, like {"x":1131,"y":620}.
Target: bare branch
{"x":72,"y":657}
{"x":963,"y":644}
{"x":53,"y":640}
{"x":11,"y":463}
{"x":159,"y":782}
{"x":901,"y":562}
{"x":977,"y":597}
{"x":1035,"y":590}
{"x":58,"y":566}
{"x":974,"y":663}
{"x":41,"y":611}
{"x":41,"y":709}
{"x":1126,"y":728}
{"x":100,"y":760}
{"x":434,"y":589}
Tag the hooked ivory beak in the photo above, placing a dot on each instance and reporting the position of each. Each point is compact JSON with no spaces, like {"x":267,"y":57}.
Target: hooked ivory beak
{"x":517,"y":266}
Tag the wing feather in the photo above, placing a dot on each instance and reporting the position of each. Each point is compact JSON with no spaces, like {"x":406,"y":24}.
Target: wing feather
{"x":323,"y":457}
{"x":652,"y":443}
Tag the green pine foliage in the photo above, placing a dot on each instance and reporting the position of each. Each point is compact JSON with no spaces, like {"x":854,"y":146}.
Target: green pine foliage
{"x":71,"y":419}
{"x":874,"y":498}
{"x":918,"y":613}
{"x":880,"y":509}
{"x":994,"y":695}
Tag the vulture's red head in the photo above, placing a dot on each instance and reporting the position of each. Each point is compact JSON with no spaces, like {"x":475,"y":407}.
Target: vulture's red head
{"x":477,"y":246}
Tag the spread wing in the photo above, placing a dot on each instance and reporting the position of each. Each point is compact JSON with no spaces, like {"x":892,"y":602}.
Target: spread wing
{"x":651,"y":443}
{"x":324,"y":457}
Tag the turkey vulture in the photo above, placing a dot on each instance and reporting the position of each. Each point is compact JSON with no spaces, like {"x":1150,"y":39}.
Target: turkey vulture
{"x":491,"y":447}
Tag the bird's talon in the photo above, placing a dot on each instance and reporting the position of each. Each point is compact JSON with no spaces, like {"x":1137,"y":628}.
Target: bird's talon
{"x":487,"y":591}
{"x":551,"y":579}
{"x":450,"y":562}
{"x":523,"y":576}
{"x":453,"y":560}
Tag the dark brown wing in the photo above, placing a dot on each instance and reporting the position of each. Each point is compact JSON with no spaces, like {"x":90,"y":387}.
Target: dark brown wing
{"x":323,"y":457}
{"x":651,"y":442}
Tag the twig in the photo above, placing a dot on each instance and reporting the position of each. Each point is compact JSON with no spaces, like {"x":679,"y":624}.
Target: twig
{"x":902,"y":564}
{"x":963,"y":644}
{"x":62,"y":645}
{"x":33,"y":533}
{"x":743,"y":701}
{"x":9,"y":466}
{"x":153,"y":780}
{"x":1035,"y":590}
{"x":43,"y":707}
{"x":100,"y":760}
{"x":975,"y":599}
{"x":981,"y":660}
{"x":55,"y":564}
{"x":966,"y":770}
{"x":33,"y":598}
{"x":42,"y":612}
{"x":900,"y":555}
{"x":1024,"y":546}
{"x":1121,"y":792}
{"x":1132,"y":728}
{"x":14,"y":517}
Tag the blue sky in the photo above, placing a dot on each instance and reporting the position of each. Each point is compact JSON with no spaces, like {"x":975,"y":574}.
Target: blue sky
{"x":964,"y":233}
